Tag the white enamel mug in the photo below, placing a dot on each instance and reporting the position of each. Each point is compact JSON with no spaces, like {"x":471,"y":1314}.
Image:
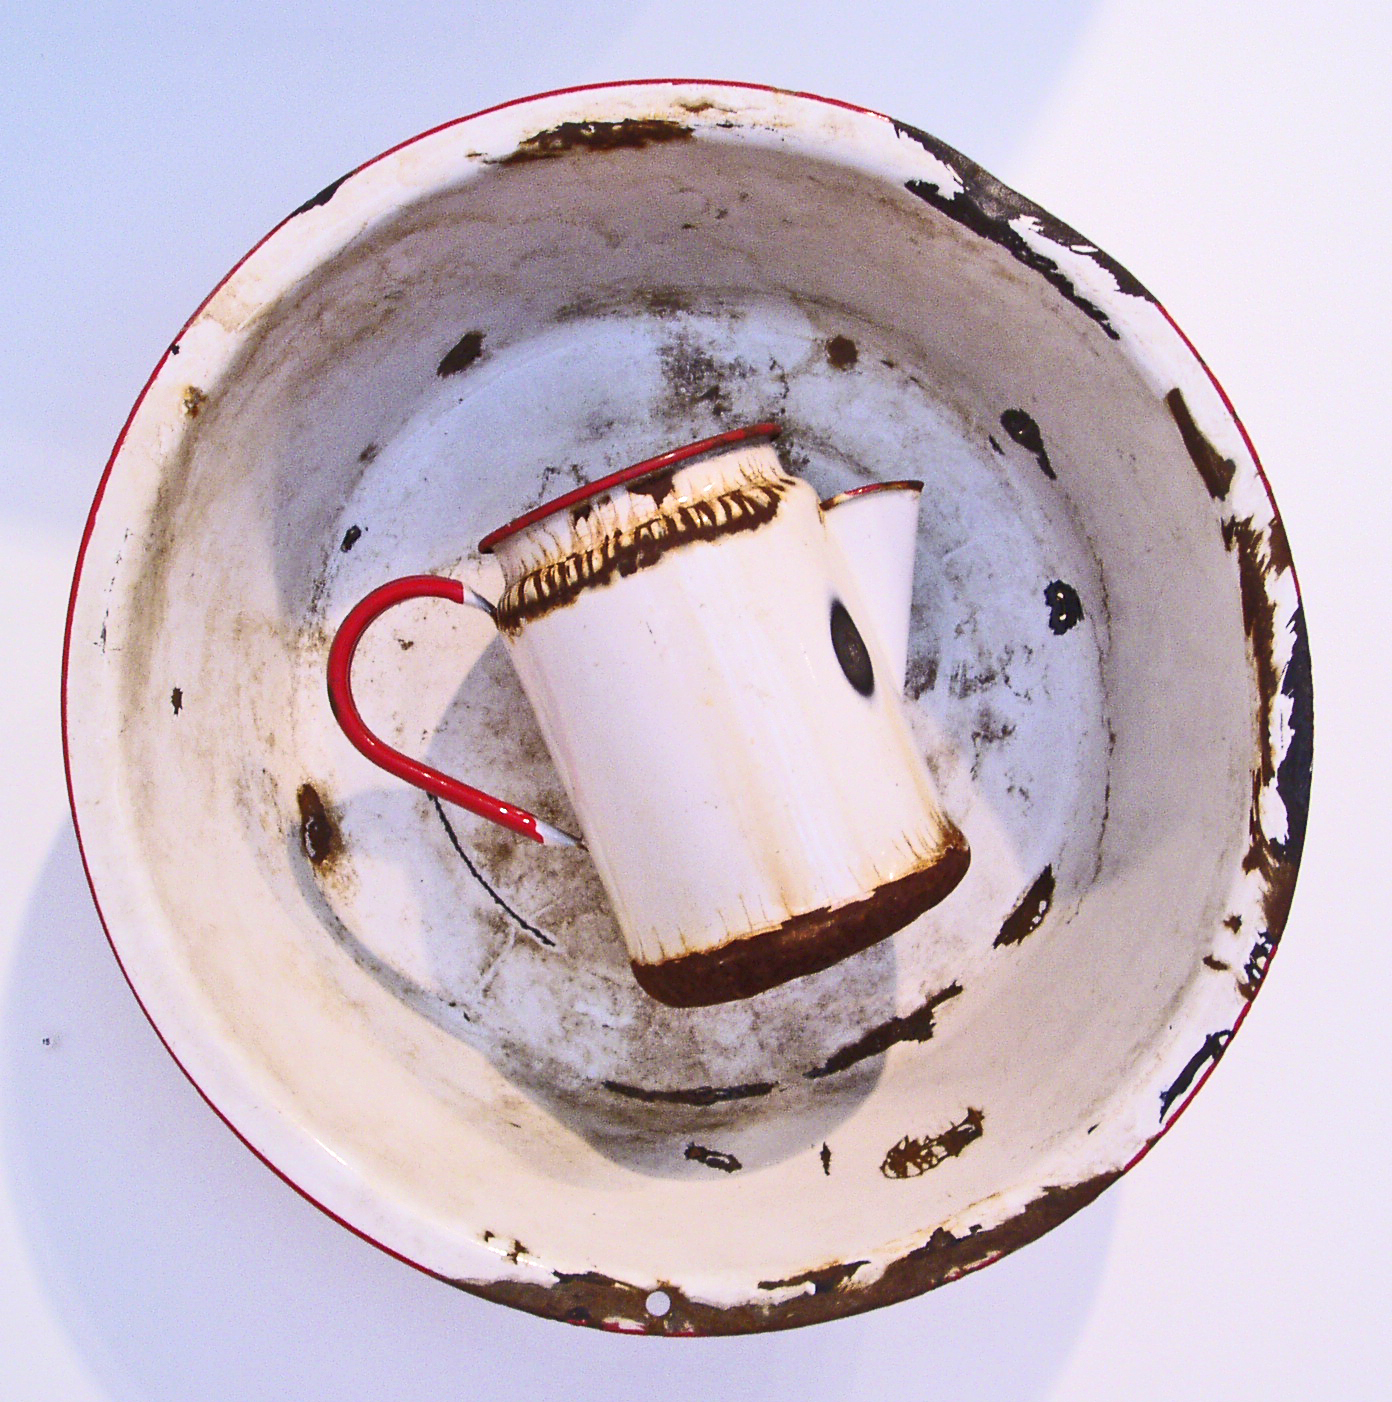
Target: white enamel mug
{"x":715,"y":660}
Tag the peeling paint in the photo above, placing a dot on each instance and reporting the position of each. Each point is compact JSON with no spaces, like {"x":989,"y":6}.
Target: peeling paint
{"x":912,"y":1158}
{"x":1029,"y":915}
{"x":916,"y":1026}
{"x":630,"y":134}
{"x":1215,"y":1044}
{"x":460,"y":356}
{"x":1216,"y":470}
{"x":697,"y":1095}
{"x":1065,"y":607}
{"x":1024,"y":431}
{"x":713,"y":1158}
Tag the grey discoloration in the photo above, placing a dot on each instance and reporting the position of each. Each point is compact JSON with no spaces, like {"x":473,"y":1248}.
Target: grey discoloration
{"x":713,"y":1158}
{"x":460,"y":356}
{"x":1029,"y":915}
{"x":916,"y":1026}
{"x":912,"y":1157}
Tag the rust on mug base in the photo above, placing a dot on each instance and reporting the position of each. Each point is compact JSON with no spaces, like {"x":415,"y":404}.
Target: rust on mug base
{"x":807,"y":943}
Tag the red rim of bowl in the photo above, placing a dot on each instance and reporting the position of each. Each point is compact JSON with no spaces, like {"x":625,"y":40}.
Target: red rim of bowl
{"x":626,"y":475}
{"x":909,"y":484}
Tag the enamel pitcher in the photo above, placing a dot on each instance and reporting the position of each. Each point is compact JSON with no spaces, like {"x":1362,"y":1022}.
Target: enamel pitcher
{"x":715,"y":658}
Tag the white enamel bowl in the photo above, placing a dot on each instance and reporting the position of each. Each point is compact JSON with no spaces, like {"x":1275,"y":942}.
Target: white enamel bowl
{"x":429,"y":1027}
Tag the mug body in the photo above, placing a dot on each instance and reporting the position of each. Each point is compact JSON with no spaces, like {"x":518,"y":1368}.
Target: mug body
{"x":728,"y":726}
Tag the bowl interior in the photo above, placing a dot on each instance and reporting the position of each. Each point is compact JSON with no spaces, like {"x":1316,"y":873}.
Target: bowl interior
{"x":431,"y":1026}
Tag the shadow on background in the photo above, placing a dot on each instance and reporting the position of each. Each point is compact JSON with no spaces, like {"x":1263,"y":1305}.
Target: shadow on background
{"x":181,"y":1268}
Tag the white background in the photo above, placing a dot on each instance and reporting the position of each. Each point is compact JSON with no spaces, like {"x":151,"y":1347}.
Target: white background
{"x":1234,"y":155}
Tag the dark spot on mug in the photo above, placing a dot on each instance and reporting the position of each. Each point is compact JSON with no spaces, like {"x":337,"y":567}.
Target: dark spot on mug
{"x":1216,"y":471}
{"x":917,"y":1026}
{"x":713,"y":1158}
{"x":850,"y":649}
{"x":657,"y":485}
{"x":1065,"y":607}
{"x":996,"y":447}
{"x":1218,"y":964}
{"x":369,"y":454}
{"x":174,"y":349}
{"x":842,"y":352}
{"x":461,"y":355}
{"x":826,"y":1159}
{"x":176,"y":699}
{"x":1215,"y":1044}
{"x":1024,"y":431}
{"x":350,"y":538}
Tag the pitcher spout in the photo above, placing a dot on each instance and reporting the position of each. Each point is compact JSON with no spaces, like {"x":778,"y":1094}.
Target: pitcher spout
{"x":875,"y":528}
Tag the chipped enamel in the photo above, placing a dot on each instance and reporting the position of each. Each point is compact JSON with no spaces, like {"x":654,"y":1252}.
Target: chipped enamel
{"x":432,"y":1030}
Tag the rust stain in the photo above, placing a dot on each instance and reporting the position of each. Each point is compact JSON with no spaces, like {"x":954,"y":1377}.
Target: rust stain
{"x":601,"y":1301}
{"x":842,"y":352}
{"x":912,"y":1158}
{"x":1029,"y":915}
{"x":807,"y":943}
{"x":1217,"y":964}
{"x":319,"y":834}
{"x":713,"y":1158}
{"x":560,"y":582}
{"x":916,"y":1026}
{"x":697,"y":1095}
{"x":194,"y":401}
{"x":461,"y":355}
{"x":630,"y":134}
{"x":1216,"y":470}
{"x":824,"y":1280}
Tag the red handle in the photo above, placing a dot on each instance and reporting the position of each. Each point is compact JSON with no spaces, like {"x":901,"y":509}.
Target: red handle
{"x":345,"y":709}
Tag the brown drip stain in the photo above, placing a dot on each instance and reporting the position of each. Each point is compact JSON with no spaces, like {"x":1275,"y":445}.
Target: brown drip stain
{"x":194,"y":401}
{"x":630,"y":134}
{"x":319,"y":834}
{"x":560,"y":582}
{"x":1216,"y":470}
{"x":1217,"y":964}
{"x":1029,"y":915}
{"x":917,"y":1026}
{"x":912,"y":1158}
{"x":805,"y":944}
